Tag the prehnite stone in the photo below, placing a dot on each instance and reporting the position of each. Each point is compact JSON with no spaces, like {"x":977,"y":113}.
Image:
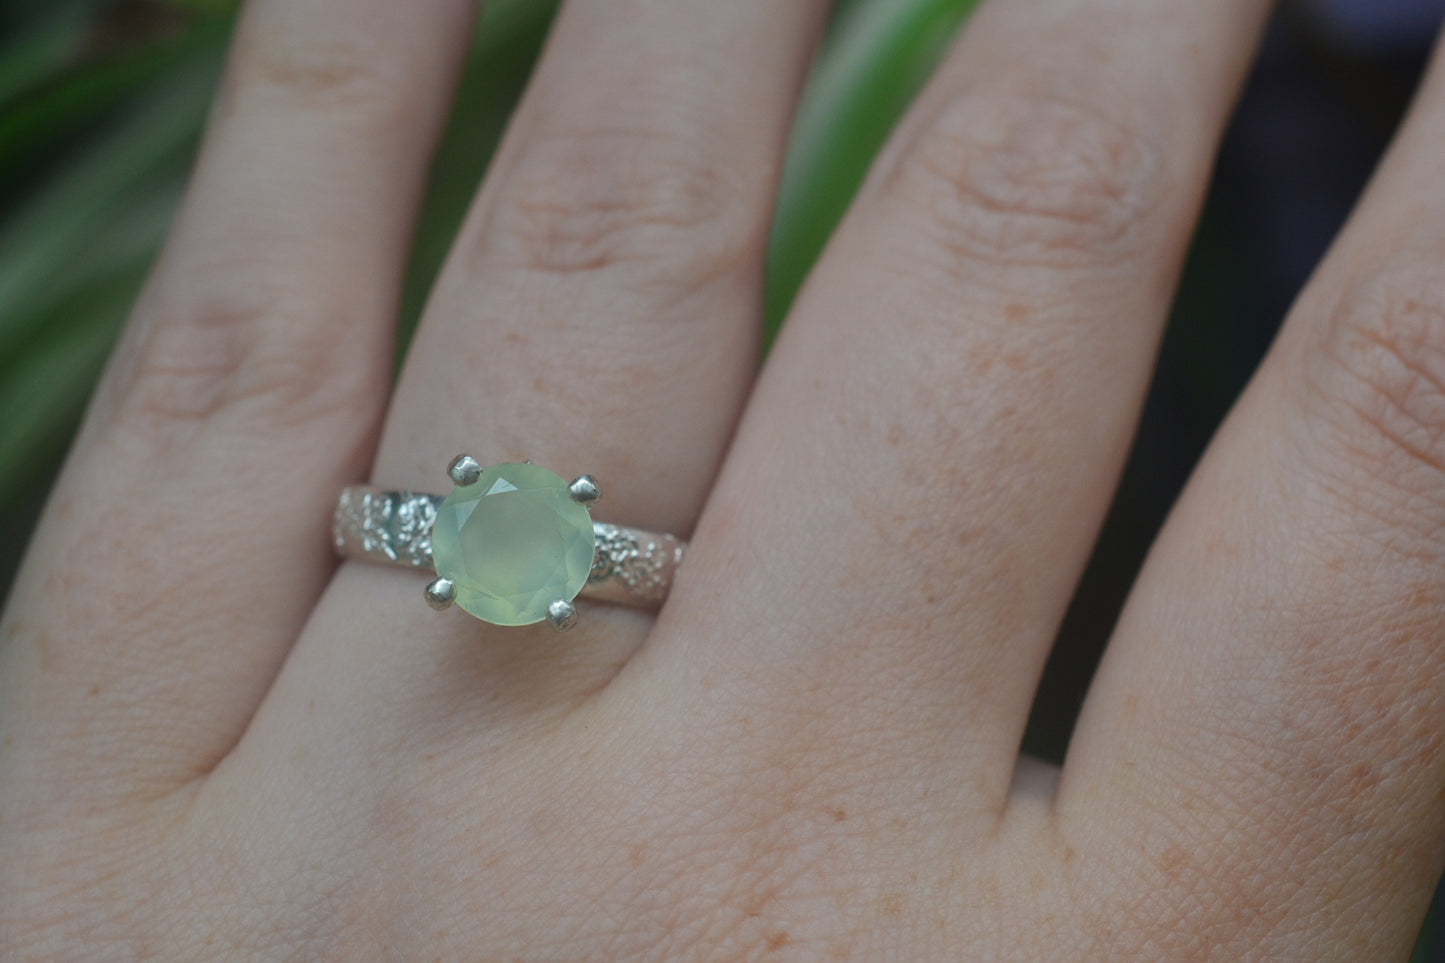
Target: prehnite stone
{"x":513,"y":543}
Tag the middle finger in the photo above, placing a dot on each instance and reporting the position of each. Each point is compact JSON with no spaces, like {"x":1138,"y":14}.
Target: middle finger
{"x":934,"y":443}
{"x":599,"y":311}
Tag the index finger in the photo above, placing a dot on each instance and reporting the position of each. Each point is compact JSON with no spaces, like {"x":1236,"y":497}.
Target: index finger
{"x":186,"y":541}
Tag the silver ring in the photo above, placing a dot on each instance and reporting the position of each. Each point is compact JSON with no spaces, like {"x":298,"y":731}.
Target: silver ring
{"x":511,"y":544}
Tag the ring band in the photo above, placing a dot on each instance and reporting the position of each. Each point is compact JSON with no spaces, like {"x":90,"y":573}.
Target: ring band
{"x":629,"y":566}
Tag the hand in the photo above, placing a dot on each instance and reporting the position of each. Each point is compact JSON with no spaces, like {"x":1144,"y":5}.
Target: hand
{"x":214,"y":744}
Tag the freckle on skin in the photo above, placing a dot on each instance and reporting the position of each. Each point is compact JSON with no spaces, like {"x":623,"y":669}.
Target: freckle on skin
{"x":1015,"y":312}
{"x":1363,"y":778}
{"x":95,"y":689}
{"x":778,"y":940}
{"x":1172,"y":860}
{"x":892,"y":905}
{"x":1019,"y":361}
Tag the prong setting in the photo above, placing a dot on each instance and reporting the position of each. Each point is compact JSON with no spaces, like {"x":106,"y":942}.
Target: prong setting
{"x":562,"y":615}
{"x":440,"y":593}
{"x":584,"y":490}
{"x":464,"y":470}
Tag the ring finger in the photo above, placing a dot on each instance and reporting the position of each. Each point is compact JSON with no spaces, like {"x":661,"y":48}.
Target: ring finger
{"x":600,"y":309}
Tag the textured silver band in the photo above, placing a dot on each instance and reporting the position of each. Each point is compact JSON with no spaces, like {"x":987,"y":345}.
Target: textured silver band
{"x":629,"y":566}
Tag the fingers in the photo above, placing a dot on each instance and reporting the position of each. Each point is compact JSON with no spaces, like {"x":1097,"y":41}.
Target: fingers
{"x":1269,"y":715}
{"x":186,"y":542}
{"x":600,"y":310}
{"x":930,"y":451}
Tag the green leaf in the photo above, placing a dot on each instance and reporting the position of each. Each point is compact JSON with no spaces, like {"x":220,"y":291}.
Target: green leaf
{"x":42,"y":52}
{"x":35,"y":124}
{"x":52,"y":237}
{"x":212,"y":7}
{"x":44,"y":394}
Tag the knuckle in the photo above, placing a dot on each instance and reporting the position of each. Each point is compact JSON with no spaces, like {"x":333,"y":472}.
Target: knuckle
{"x":267,"y":358}
{"x":345,"y":80}
{"x":1022,"y":177}
{"x":595,"y":199}
{"x":1375,"y":373}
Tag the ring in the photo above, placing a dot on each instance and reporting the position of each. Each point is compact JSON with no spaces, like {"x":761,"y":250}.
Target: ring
{"x":511,"y":544}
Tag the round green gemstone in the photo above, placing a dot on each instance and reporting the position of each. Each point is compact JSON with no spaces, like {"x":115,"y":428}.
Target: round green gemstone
{"x":513,"y":543}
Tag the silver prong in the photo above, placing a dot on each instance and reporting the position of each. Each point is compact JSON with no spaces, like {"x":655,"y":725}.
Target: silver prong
{"x":562,"y":614}
{"x":440,"y":593}
{"x":584,"y":490}
{"x":464,"y":470}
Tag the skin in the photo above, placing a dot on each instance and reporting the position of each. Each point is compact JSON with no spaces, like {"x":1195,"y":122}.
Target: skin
{"x":215,"y":743}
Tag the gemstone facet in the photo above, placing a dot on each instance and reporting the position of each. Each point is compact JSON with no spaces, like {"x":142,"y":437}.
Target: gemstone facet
{"x":512,"y":543}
